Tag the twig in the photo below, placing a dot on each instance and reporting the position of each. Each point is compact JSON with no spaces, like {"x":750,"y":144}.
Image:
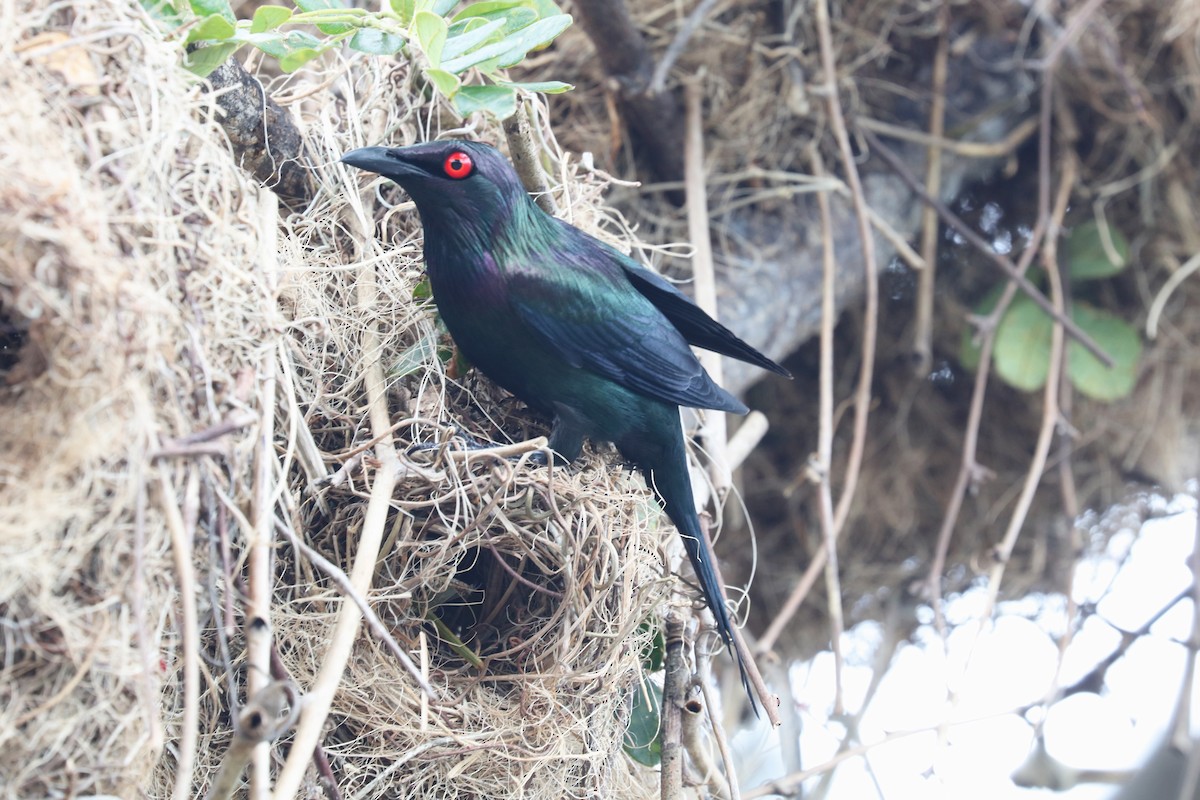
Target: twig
{"x":189,"y":632}
{"x":923,"y":321}
{"x":695,"y":744}
{"x":1073,"y":29}
{"x":147,"y":688}
{"x":1050,"y":415}
{"x":1180,"y":275}
{"x":1093,"y":680}
{"x":501,"y":452}
{"x":969,"y":470}
{"x":232,"y":423}
{"x":258,"y":630}
{"x":746,"y":438}
{"x":325,"y":776}
{"x":713,"y":431}
{"x":1011,"y":141}
{"x":308,"y":456}
{"x":320,"y":696}
{"x":525,"y":159}
{"x":829,"y":530}
{"x":862,"y":396}
{"x":221,"y":554}
{"x":704,"y":678}
{"x":675,"y":683}
{"x":658,"y":83}
{"x":259,"y":723}
{"x":977,"y":241}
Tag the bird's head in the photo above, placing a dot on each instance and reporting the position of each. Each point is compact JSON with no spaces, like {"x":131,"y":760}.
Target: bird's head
{"x":454,"y":183}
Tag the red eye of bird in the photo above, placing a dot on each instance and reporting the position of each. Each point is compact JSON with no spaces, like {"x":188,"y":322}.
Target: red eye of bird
{"x":458,"y":165}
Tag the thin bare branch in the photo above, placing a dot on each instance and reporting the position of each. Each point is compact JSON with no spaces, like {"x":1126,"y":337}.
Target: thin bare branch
{"x":675,"y":683}
{"x":926,"y":283}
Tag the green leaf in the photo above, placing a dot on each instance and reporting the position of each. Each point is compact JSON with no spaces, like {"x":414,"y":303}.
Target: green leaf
{"x":203,"y":60}
{"x":423,"y":290}
{"x":446,"y":83}
{"x":333,"y":29}
{"x":442,"y":7}
{"x":431,"y":34}
{"x":642,"y":740}
{"x":415,"y":358}
{"x":545,"y":87}
{"x":165,"y":12}
{"x":456,"y":644}
{"x":1117,"y":338}
{"x":546,"y":8}
{"x":462,"y":26}
{"x":1089,"y":259}
{"x":205,"y":8}
{"x":512,"y":48}
{"x":499,"y":101}
{"x":213,"y":28}
{"x":511,"y":20}
{"x":489,"y":7}
{"x":514,"y":19}
{"x":376,"y":42}
{"x":1022,"y":350}
{"x":296,"y":59}
{"x":268,"y":18}
{"x":404,"y":9}
{"x":280,"y":44}
{"x":472,"y":37}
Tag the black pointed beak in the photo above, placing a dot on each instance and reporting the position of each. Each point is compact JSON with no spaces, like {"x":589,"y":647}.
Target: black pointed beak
{"x":380,"y":160}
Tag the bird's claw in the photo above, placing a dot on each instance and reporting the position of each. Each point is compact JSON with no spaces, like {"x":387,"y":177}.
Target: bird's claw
{"x":469,"y":443}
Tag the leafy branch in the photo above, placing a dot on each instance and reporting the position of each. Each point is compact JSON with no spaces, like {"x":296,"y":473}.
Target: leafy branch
{"x":1022,"y":348}
{"x":486,"y":37}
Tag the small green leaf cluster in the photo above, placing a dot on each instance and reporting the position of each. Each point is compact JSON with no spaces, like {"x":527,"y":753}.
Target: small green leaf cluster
{"x":1021,"y":352}
{"x":486,"y":36}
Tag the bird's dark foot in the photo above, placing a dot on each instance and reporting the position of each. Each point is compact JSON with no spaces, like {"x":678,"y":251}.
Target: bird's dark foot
{"x":469,"y":443}
{"x":511,"y":452}
{"x":538,"y":459}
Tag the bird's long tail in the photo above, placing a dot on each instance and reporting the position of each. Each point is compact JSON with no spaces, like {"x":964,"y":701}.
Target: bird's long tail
{"x":671,"y":482}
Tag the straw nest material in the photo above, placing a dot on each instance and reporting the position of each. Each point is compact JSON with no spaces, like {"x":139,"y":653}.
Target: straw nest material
{"x":197,"y":382}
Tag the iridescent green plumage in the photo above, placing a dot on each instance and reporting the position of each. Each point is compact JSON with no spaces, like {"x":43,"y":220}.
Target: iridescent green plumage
{"x":567,"y":323}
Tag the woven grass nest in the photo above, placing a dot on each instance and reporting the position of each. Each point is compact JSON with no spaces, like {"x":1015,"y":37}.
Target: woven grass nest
{"x":202,"y":379}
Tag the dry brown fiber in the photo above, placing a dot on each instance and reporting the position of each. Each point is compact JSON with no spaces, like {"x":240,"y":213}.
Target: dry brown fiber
{"x":162,"y":296}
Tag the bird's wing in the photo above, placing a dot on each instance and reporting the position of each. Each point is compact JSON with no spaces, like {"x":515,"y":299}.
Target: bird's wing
{"x":587,"y":311}
{"x":690,"y":320}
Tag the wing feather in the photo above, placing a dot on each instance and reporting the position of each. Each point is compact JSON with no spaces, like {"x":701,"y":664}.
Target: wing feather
{"x":585,"y":308}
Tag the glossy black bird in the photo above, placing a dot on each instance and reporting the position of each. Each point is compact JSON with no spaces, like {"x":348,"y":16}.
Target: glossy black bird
{"x":567,"y":323}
